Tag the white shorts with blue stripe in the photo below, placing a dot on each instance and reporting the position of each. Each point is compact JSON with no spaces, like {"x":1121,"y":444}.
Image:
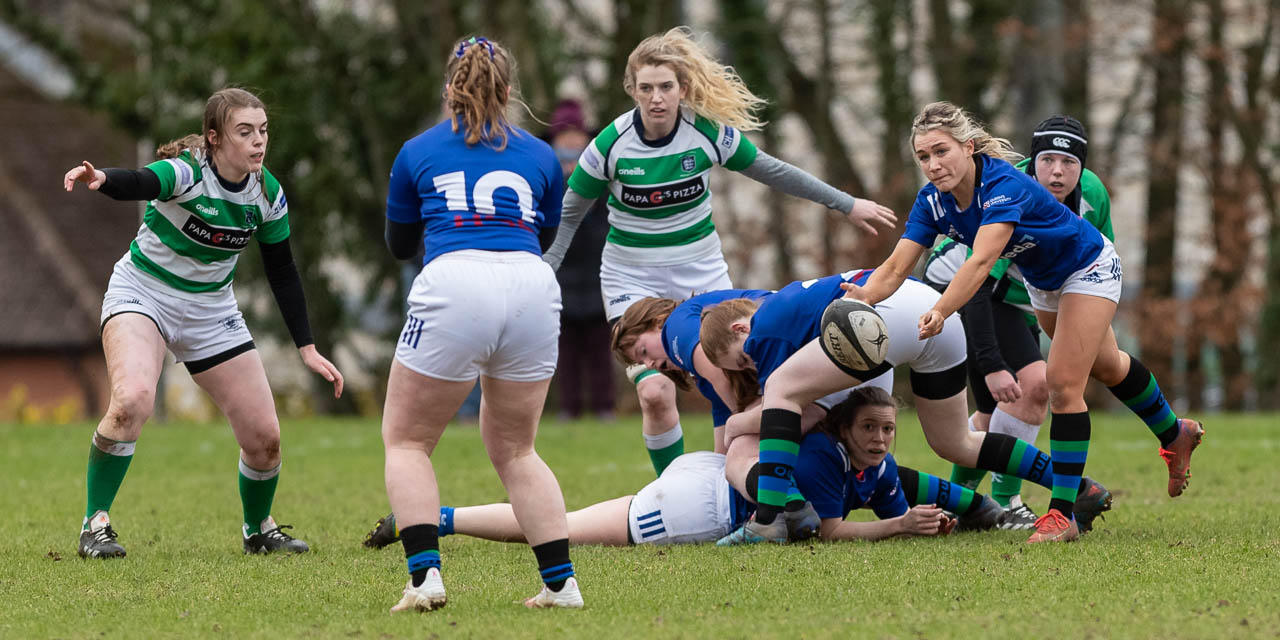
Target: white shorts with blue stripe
{"x":688,"y":503}
{"x":1102,"y":278}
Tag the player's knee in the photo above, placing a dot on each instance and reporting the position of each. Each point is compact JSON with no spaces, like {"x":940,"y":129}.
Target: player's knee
{"x":131,"y":404}
{"x":656,"y":394}
{"x":1065,"y":387}
{"x":1036,"y":394}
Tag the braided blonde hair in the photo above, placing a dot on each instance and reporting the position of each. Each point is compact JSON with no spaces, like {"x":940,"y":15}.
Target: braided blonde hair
{"x":481,"y":79}
{"x":958,"y":124}
{"x":714,"y":90}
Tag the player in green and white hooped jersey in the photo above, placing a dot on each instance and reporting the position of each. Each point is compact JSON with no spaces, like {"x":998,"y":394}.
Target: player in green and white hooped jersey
{"x":207,"y":196}
{"x":654,"y":165}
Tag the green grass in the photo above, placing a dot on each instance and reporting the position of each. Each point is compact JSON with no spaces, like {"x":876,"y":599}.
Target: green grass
{"x":1206,"y":565}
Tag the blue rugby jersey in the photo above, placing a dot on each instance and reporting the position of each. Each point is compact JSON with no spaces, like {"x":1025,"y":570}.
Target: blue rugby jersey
{"x":1049,"y":241}
{"x":790,"y":318}
{"x":681,"y":334}
{"x":474,"y":196}
{"x":826,"y":477}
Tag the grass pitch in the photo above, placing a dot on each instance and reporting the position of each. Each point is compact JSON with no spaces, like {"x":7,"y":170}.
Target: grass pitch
{"x":1206,"y":565}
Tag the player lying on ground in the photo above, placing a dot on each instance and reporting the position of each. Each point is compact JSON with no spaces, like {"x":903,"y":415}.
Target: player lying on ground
{"x":846,"y":466}
{"x":777,"y":338}
{"x":1072,"y":274}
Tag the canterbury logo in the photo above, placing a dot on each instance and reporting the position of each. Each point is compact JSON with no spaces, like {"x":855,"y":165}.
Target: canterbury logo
{"x":1061,"y":143}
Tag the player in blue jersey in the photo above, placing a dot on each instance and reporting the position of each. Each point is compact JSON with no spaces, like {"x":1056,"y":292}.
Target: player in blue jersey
{"x":778,"y":339}
{"x":662,"y":334}
{"x":1072,"y":274}
{"x":846,"y":466}
{"x":487,"y":194}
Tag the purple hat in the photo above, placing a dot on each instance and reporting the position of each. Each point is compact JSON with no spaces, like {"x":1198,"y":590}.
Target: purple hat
{"x":567,"y":116}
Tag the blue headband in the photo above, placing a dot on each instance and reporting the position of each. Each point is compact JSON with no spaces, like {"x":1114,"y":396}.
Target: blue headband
{"x":462,"y":46}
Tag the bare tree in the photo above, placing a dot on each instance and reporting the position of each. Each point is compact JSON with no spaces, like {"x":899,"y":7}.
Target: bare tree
{"x":1159,"y":307}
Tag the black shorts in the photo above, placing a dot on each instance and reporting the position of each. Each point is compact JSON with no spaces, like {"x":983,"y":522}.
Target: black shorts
{"x":1019,"y":344}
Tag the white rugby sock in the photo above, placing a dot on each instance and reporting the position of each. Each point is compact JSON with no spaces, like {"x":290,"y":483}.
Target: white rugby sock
{"x":1002,"y":422}
{"x":664,"y":440}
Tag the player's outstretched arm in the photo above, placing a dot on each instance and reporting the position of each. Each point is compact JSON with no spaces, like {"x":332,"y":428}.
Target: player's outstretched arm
{"x":793,"y":180}
{"x":572,"y":211}
{"x":920,"y":520}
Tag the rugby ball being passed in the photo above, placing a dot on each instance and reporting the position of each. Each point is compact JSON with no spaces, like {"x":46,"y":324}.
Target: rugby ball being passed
{"x":854,"y":336}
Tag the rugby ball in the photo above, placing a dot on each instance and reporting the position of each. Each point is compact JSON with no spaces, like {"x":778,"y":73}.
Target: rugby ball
{"x":854,"y":336}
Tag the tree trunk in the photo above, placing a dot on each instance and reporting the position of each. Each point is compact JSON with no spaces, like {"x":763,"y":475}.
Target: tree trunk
{"x":1158,"y":305}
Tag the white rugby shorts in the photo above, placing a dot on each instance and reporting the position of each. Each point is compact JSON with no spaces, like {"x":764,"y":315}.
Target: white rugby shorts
{"x":1101,"y":279}
{"x":688,"y":503}
{"x":901,"y":313}
{"x":195,"y":326}
{"x":473,"y":312}
{"x":622,"y":285}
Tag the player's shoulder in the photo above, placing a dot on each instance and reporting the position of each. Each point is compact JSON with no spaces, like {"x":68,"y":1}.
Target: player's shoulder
{"x":270,"y":185}
{"x":1091,"y":183}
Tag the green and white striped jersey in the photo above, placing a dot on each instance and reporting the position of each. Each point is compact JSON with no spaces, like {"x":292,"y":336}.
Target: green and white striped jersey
{"x":659,"y":191}
{"x":192,"y":235}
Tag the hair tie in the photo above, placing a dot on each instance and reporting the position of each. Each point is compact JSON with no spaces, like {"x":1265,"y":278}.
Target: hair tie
{"x":462,"y":46}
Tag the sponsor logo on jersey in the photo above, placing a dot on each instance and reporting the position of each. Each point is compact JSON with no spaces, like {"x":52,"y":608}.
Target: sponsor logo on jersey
{"x":664,"y":196}
{"x":206,"y":210}
{"x":1027,"y":241}
{"x":675,"y":347}
{"x":998,"y":199}
{"x":687,"y":162}
{"x":631,"y":171}
{"x":592,"y":159}
{"x":230,"y":324}
{"x":1061,"y":143}
{"x":217,"y":237}
{"x":726,"y":141}
{"x":620,"y":299}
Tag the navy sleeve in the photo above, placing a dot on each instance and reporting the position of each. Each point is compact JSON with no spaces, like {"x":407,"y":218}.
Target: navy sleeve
{"x":1003,"y":200}
{"x":922,"y":226}
{"x":404,"y":239}
{"x":403,"y":202}
{"x":980,"y":329}
{"x":768,"y":354}
{"x":889,"y":501}
{"x":820,"y":476}
{"x":553,"y":198}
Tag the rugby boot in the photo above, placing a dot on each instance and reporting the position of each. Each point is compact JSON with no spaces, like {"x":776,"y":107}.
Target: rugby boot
{"x":1091,"y":500}
{"x":988,"y":515}
{"x":99,"y":539}
{"x":272,"y":539}
{"x":568,"y":597}
{"x":752,"y":532}
{"x":802,"y":524}
{"x":1178,"y":455}
{"x":1054,"y":527}
{"x":384,"y":532}
{"x":1018,"y":516}
{"x":425,"y":597}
